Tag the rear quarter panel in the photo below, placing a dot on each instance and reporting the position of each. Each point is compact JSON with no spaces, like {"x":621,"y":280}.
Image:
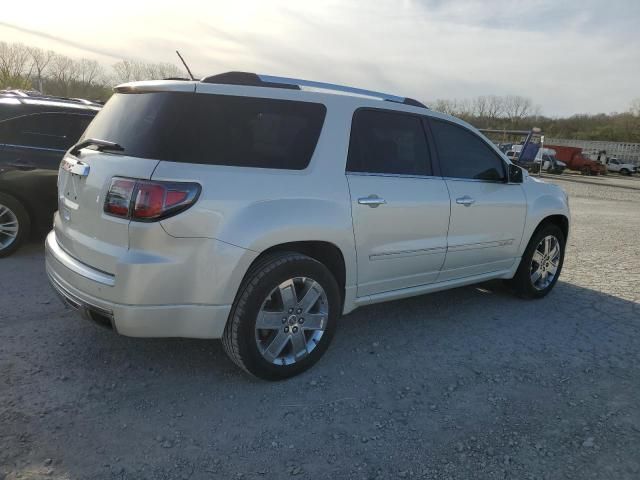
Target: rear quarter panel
{"x":258,"y":208}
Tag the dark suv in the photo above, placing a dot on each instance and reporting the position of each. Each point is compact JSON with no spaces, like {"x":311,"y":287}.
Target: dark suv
{"x":35,"y":131}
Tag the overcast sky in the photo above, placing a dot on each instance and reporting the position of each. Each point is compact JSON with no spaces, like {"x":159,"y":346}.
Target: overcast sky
{"x":568,"y":56}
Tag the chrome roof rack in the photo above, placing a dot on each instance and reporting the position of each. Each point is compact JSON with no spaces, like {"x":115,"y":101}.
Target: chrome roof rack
{"x":259,"y":80}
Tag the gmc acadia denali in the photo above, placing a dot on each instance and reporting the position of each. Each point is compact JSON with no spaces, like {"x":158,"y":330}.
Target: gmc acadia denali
{"x":258,"y":209}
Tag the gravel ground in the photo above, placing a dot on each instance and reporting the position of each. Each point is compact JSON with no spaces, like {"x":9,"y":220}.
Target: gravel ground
{"x":470,"y":383}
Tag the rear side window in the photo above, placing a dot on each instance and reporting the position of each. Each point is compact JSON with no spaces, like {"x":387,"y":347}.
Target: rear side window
{"x":212,"y":129}
{"x":388,"y":142}
{"x":44,"y":130}
{"x":463,"y":154}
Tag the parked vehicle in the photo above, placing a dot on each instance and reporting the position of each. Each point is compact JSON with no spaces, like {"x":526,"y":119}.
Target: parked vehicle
{"x":546,"y":157}
{"x":575,"y":160}
{"x":35,"y":131}
{"x":615,"y":165}
{"x":247,"y":208}
{"x":529,"y":144}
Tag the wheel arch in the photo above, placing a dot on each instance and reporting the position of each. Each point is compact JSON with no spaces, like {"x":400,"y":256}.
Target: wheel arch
{"x":561,"y":221}
{"x":327,"y":253}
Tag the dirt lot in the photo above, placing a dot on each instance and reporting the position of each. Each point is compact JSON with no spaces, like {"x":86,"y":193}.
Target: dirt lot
{"x":470,"y":383}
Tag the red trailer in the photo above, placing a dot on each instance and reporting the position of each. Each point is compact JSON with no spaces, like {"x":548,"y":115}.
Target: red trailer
{"x":575,"y":160}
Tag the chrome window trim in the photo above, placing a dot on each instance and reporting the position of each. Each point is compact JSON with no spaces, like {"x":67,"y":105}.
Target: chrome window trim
{"x":435,"y":177}
{"x":460,"y":179}
{"x":392,"y":175}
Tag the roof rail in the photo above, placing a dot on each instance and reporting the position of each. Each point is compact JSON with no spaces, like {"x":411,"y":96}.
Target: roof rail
{"x":259,"y":80}
{"x":341,"y":88}
{"x":247,"y":79}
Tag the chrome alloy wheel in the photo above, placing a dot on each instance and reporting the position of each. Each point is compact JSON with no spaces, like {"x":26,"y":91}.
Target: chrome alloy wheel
{"x":291,"y":321}
{"x":8,"y":227}
{"x":545,"y":262}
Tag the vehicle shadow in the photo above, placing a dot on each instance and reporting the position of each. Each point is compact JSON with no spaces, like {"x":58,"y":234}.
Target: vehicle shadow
{"x":458,"y":319}
{"x":468,"y":356}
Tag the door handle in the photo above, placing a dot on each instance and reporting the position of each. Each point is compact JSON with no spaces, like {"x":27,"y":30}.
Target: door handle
{"x":372,"y":200}
{"x":467,"y":201}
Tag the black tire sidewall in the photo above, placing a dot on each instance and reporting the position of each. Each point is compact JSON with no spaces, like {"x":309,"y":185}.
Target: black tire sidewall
{"x":24,"y":223}
{"x":253,"y":361}
{"x":523,"y":283}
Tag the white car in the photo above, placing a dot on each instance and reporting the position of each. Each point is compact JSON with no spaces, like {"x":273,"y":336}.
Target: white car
{"x":615,"y":165}
{"x":259,"y":209}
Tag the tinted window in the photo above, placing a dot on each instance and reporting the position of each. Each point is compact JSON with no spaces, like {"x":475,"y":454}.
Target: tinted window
{"x":45,"y":130}
{"x":388,"y":142}
{"x":463,"y":154}
{"x":212,"y":129}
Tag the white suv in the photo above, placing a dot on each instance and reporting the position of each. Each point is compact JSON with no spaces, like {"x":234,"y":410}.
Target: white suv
{"x":259,"y":209}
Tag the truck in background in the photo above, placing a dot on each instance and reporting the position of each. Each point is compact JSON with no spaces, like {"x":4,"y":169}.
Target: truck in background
{"x":545,"y":159}
{"x":613,"y":164}
{"x":575,"y":160}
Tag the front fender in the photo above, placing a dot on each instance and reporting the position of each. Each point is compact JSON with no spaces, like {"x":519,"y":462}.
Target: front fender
{"x":540,"y":206}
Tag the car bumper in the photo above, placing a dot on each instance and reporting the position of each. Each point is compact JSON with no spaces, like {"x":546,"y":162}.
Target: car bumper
{"x":91,"y":292}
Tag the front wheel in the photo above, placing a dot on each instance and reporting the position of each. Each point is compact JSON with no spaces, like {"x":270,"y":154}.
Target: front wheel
{"x":284,"y":316}
{"x":541,"y":263}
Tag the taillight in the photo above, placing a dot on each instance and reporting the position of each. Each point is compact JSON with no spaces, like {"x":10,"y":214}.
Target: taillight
{"x":146,"y":200}
{"x":118,"y":198}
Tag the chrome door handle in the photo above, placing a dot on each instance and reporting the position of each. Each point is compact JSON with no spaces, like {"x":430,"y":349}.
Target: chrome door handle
{"x":372,"y":200}
{"x":467,"y":201}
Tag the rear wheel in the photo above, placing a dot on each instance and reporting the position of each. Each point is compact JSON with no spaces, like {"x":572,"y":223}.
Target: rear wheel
{"x":284,"y":316}
{"x":541,"y":263}
{"x":14,"y":224}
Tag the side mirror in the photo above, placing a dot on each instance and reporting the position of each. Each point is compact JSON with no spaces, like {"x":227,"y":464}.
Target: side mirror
{"x":515,"y":174}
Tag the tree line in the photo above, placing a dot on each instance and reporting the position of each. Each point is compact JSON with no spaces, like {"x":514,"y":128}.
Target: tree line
{"x":513,"y":112}
{"x":31,"y":68}
{"x":26,"y":67}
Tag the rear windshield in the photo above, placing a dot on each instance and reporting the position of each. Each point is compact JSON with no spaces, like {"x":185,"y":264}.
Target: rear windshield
{"x":211,"y":129}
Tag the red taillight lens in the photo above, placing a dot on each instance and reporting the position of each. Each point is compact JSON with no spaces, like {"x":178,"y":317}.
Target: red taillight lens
{"x":145,"y":200}
{"x":149,"y":200}
{"x":118,"y":198}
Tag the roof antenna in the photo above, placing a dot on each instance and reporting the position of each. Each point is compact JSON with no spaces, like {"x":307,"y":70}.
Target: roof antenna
{"x":185,"y":65}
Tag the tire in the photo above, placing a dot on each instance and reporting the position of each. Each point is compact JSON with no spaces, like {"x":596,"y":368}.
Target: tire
{"x":12,"y":215}
{"x":624,"y":171}
{"x":522,"y":283}
{"x":262,"y":292}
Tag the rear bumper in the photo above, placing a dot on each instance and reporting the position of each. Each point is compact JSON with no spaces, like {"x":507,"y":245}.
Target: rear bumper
{"x":91,"y":292}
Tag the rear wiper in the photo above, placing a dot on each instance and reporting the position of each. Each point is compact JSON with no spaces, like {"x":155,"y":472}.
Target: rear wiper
{"x":101,"y":145}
